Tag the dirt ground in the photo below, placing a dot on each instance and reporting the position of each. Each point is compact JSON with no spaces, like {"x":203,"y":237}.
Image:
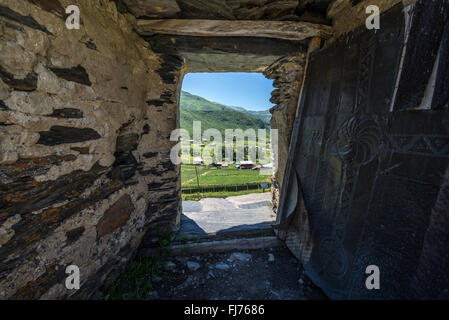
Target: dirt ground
{"x":267,"y":274}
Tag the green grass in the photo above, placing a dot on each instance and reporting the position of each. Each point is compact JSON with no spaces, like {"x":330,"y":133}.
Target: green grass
{"x":223,"y":194}
{"x":136,"y":281}
{"x":188,"y":173}
{"x":213,"y":176}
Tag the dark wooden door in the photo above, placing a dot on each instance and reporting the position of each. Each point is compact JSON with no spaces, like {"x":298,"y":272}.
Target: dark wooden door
{"x":371,"y":174}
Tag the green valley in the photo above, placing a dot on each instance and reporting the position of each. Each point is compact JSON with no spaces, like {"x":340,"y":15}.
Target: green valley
{"x":219,"y":116}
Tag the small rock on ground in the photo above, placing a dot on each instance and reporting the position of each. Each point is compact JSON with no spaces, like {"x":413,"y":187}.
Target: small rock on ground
{"x":222,"y":266}
{"x":193,"y":266}
{"x":256,"y":279}
{"x":169,"y":265}
{"x":238,"y":256}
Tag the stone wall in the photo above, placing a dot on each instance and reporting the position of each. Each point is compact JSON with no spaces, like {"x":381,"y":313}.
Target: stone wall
{"x":288,"y":75}
{"x":85,"y":120}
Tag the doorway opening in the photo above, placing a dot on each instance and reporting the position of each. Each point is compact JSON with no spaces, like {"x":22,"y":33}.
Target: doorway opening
{"x":226,"y":155}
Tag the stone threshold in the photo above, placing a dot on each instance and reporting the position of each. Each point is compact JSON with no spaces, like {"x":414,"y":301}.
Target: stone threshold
{"x":226,"y":235}
{"x":216,"y":246}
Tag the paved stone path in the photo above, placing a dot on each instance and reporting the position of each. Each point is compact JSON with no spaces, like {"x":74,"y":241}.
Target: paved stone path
{"x":214,"y":215}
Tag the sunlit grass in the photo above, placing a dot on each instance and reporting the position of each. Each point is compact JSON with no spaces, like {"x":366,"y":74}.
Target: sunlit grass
{"x":222,"y":194}
{"x":224,"y":176}
{"x":136,"y":281}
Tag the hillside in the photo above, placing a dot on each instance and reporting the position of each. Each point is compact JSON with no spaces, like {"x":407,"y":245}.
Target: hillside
{"x":264,"y":115}
{"x":218,"y":116}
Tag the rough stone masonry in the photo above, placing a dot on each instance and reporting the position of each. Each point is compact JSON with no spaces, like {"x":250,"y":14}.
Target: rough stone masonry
{"x":85,"y":117}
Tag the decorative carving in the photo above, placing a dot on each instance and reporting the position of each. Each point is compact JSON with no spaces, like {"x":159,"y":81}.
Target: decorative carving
{"x":358,"y":141}
{"x":367,"y":55}
{"x":427,"y":145}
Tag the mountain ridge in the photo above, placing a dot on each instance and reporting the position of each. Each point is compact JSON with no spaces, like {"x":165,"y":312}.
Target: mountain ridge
{"x":219,"y":116}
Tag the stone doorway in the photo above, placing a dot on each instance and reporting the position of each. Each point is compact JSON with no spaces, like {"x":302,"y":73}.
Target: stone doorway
{"x":220,"y":196}
{"x":278,"y":59}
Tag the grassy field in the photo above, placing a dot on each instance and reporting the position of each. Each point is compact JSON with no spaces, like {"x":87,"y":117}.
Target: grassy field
{"x":210,"y":175}
{"x":224,"y":194}
{"x":224,"y":176}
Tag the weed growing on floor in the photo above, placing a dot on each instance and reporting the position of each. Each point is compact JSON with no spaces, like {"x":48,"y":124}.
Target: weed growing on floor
{"x":136,"y":281}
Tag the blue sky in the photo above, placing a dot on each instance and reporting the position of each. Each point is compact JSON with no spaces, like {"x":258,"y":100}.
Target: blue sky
{"x":251,"y":91}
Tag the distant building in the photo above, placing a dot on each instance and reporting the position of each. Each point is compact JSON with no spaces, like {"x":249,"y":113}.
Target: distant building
{"x":197,"y":161}
{"x":246,"y":164}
